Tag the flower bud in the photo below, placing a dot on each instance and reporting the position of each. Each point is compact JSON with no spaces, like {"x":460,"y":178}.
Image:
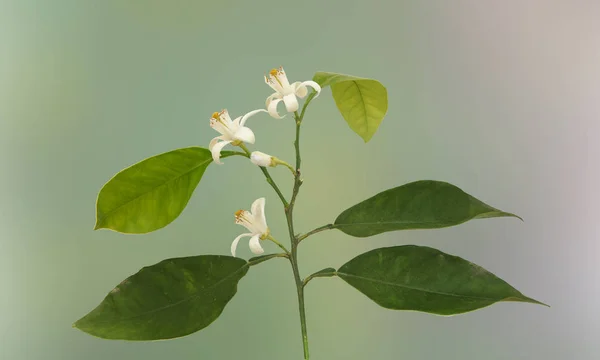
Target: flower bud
{"x":262,"y":159}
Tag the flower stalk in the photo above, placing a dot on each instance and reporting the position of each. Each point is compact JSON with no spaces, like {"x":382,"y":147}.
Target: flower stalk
{"x":278,"y":244}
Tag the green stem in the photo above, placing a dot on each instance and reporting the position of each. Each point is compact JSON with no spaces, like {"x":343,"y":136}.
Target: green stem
{"x":317,"y":230}
{"x":289,"y":167}
{"x":278,"y":244}
{"x":268,"y":176}
{"x":289,"y":210}
{"x":259,"y":259}
{"x":300,"y":291}
{"x":239,"y":153}
{"x":308,"y":100}
{"x":323,"y":273}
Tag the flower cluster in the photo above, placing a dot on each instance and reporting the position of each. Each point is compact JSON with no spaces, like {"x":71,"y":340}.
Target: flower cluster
{"x":236,"y":133}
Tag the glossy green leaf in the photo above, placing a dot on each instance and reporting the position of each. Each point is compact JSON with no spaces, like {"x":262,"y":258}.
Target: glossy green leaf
{"x":424,"y":279}
{"x":425,"y":204}
{"x":173,"y":298}
{"x":152,"y":193}
{"x":362,"y":102}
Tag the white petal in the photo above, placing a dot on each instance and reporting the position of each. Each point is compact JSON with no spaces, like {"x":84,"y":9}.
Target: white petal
{"x":225,"y":116}
{"x":216,"y":151}
{"x":244,"y":134}
{"x":283,"y":78}
{"x":250,"y":114}
{"x":273,"y":109}
{"x":272,"y":97}
{"x":214,"y":141}
{"x":235,"y":124}
{"x":219,"y":127}
{"x":246,"y":220}
{"x":258,"y":211}
{"x":291,"y":102}
{"x":273,"y":83}
{"x":258,"y":206}
{"x":235,"y":242}
{"x":313,"y":85}
{"x":255,"y":245}
{"x":299,"y":89}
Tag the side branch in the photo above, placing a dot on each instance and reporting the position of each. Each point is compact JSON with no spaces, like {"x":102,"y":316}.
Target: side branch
{"x":257,"y":260}
{"x":317,"y":230}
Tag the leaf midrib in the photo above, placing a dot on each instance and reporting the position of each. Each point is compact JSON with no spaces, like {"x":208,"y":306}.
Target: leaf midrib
{"x":362,"y":100}
{"x":419,"y":289}
{"x":418,"y":222}
{"x":107,"y":214}
{"x":195,"y":295}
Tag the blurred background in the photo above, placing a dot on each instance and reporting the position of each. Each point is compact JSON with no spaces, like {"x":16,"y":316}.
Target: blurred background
{"x":498,"y":98}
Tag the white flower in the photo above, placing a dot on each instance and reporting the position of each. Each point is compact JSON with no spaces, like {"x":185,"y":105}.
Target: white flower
{"x":286,"y":92}
{"x":262,"y":159}
{"x":232,"y":132}
{"x":255,"y":221}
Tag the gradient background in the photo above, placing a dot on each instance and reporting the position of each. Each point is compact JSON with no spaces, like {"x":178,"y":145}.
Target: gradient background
{"x":499,"y":98}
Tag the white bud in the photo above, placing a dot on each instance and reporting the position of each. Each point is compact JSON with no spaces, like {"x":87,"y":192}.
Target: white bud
{"x":262,"y":159}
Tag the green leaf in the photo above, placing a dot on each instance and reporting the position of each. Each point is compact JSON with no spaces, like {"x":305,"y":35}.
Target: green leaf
{"x":424,"y":279}
{"x":362,"y":102}
{"x":425,"y":204}
{"x":152,"y":193}
{"x":173,"y":298}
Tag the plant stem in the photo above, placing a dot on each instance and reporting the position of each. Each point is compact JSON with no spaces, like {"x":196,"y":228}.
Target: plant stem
{"x":269,"y":178}
{"x":278,"y":244}
{"x":259,"y":259}
{"x":300,"y":291}
{"x":289,"y":210}
{"x":317,"y":230}
{"x":289,"y":167}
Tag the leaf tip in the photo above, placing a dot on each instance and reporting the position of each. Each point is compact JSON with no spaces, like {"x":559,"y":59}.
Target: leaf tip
{"x":527,"y":299}
{"x":534,"y":301}
{"x":507,"y":214}
{"x":516,"y":216}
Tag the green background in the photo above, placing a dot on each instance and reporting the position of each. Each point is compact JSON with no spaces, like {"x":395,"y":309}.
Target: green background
{"x":498,"y":98}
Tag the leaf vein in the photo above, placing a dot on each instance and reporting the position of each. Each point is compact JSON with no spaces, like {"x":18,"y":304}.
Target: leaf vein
{"x":416,"y":288}
{"x":193,"y":296}
{"x":112,"y":211}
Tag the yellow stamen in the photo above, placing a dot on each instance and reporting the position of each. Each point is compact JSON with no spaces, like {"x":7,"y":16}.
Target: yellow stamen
{"x":274,"y":73}
{"x":217,"y":117}
{"x":238,"y":214}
